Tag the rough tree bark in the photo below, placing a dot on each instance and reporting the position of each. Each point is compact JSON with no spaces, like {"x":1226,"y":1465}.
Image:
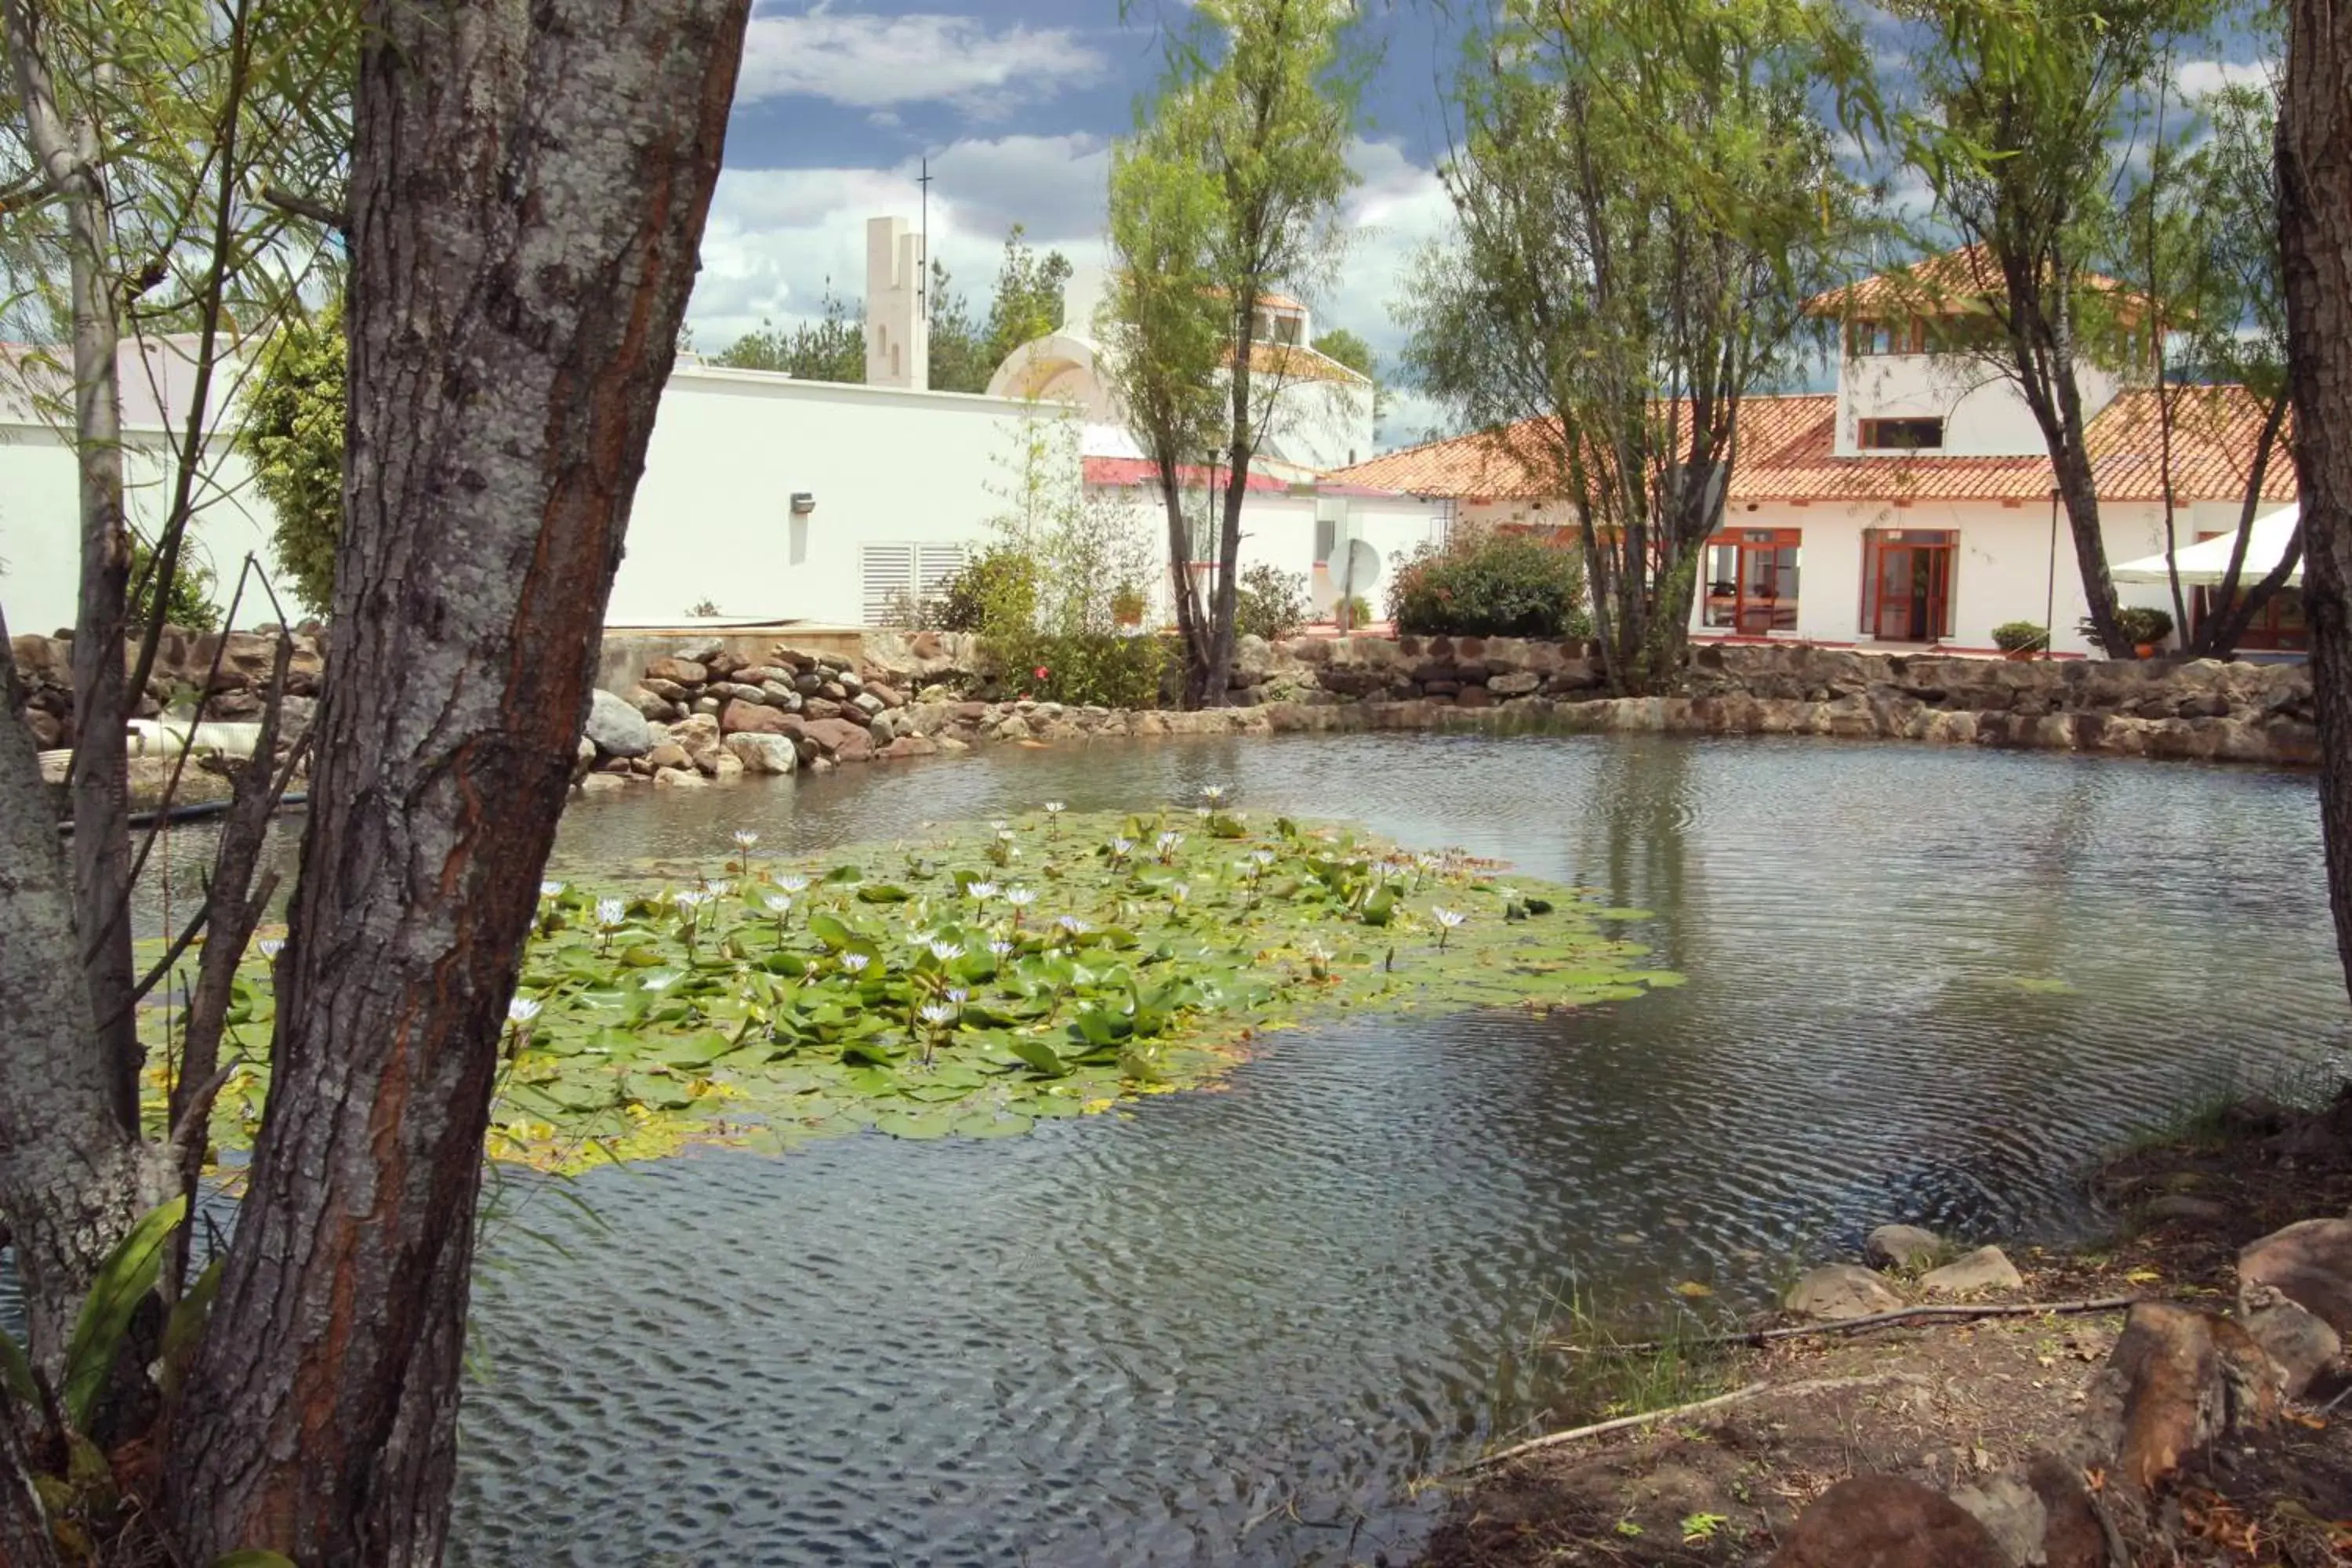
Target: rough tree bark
{"x":2315,"y":169}
{"x":529,"y":186}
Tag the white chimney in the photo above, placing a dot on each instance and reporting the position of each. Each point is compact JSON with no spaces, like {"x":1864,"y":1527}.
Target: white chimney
{"x":898,"y":328}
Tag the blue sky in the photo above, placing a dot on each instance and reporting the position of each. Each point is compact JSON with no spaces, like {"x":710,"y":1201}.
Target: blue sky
{"x":1016,"y":106}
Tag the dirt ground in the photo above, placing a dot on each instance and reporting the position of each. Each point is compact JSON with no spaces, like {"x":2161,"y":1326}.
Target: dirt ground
{"x":1952,"y":1404}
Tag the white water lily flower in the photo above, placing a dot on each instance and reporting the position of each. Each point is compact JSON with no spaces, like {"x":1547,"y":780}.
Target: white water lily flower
{"x":779,"y":905}
{"x":854,"y":963}
{"x":609,"y":912}
{"x":1020,"y":898}
{"x":1213,"y":793}
{"x":1072,"y":924}
{"x":946,"y":951}
{"x":1000,"y":949}
{"x":1181,"y":891}
{"x":792,"y":884}
{"x":1005,"y":833}
{"x":690,"y":901}
{"x":271,"y":946}
{"x":660,"y":979}
{"x":958,"y":996}
{"x":1262,"y":856}
{"x":714,"y":889}
{"x":983,"y":892}
{"x":1001,"y":826}
{"x":1122,"y":847}
{"x":550,"y":889}
{"x":1167,"y":842}
{"x":938,"y":1015}
{"x":746,"y":839}
{"x":523,"y":1009}
{"x":1449,"y":919}
{"x":1055,"y":808}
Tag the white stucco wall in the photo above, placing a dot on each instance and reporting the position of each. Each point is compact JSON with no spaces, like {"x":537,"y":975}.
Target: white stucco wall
{"x":713,"y":517}
{"x":40,"y":540}
{"x":1984,"y":413}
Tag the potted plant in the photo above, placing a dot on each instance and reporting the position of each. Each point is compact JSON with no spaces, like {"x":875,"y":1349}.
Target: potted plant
{"x":2020,"y":639}
{"x":1126,"y":605}
{"x":2147,"y":628}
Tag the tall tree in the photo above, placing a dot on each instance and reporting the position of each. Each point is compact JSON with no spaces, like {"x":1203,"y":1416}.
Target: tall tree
{"x":2199,"y":241}
{"x":1229,"y":191}
{"x":1645,"y":195}
{"x":292,"y":426}
{"x":2020,"y":133}
{"x":1347,"y":349}
{"x":959,"y":344}
{"x":134,"y":139}
{"x":1027,"y":303}
{"x":528,"y":188}
{"x":2315,"y":179}
{"x":830,"y":348}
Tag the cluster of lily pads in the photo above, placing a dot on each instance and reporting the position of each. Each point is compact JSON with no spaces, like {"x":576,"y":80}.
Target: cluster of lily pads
{"x":989,"y":977}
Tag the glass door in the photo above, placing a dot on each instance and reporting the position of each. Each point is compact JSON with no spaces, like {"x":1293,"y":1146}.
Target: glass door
{"x":1908,"y":584}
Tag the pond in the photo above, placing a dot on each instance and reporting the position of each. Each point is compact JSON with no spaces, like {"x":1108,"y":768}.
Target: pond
{"x":1233,"y":1326}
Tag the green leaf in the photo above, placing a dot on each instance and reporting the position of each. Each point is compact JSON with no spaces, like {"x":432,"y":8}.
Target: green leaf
{"x":16,"y":1371}
{"x":883,"y":893}
{"x":1039,"y":1056}
{"x":126,"y":1276}
{"x":830,"y":931}
{"x":184,"y":1328}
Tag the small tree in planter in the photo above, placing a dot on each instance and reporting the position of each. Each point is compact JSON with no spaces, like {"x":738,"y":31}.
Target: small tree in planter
{"x":2146,"y":626}
{"x":2020,"y":639}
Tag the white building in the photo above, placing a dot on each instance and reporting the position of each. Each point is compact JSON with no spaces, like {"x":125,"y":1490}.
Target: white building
{"x":1915,"y":505}
{"x":770,"y":499}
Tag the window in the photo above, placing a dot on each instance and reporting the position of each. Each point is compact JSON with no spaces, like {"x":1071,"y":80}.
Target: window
{"x":1751,"y":581}
{"x":1906,"y":583}
{"x":1904,"y":335}
{"x":896,"y":579}
{"x":1902,"y":435}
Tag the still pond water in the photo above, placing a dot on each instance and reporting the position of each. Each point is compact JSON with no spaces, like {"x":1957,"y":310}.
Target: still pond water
{"x":1924,"y":985}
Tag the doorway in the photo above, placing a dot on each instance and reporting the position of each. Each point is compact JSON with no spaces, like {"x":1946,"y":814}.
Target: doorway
{"x":1907,"y":584}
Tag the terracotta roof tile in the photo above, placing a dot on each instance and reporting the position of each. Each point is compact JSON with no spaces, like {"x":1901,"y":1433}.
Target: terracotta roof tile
{"x":1932,"y":285}
{"x":1789,"y":453}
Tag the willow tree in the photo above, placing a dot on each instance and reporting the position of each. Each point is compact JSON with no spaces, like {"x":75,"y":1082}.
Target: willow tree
{"x":2022,"y":133}
{"x":1644,"y":197}
{"x":1229,"y":191}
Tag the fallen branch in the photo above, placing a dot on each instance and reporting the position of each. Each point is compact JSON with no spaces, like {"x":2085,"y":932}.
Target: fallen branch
{"x":1874,"y":1321}
{"x":1651,"y":1417}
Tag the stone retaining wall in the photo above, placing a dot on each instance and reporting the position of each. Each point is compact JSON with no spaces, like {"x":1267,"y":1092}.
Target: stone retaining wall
{"x":902,"y":696}
{"x":184,"y":670}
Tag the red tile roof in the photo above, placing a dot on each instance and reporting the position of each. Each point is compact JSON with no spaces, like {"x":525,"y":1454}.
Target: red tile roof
{"x":1139,"y":472}
{"x":1934,"y":285}
{"x":1788,"y":452}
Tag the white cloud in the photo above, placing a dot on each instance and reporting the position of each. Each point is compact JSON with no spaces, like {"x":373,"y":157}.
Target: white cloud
{"x":871,"y":62}
{"x":2196,"y":78}
{"x":776,"y":235}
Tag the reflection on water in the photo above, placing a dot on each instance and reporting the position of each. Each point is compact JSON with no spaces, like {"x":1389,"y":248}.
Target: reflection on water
{"x":1233,"y":1326}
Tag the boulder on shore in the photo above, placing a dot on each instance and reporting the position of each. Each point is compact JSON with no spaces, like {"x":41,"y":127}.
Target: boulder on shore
{"x":1986,"y":1269}
{"x":1840,"y":1290}
{"x":615,"y":727}
{"x":764,"y":753}
{"x":1902,"y":1246}
{"x":1887,"y":1522}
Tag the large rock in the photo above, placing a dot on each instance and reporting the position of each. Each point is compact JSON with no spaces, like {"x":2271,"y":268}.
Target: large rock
{"x":840,"y":739}
{"x":2310,"y":1264}
{"x":698,"y":734}
{"x":764,"y":753}
{"x":676,"y":671}
{"x":1902,"y":1246}
{"x":1986,"y":1269}
{"x":1885,"y":1521}
{"x":1840,"y":1290}
{"x":667,"y":754}
{"x":740,"y":718}
{"x":617,"y":729}
{"x":2299,"y":1344}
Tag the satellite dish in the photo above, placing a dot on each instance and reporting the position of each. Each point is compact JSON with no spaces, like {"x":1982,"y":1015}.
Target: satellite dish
{"x":1361,"y":568}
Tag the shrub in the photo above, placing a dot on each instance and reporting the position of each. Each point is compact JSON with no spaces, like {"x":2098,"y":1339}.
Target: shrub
{"x":996,"y":587}
{"x":189,"y":603}
{"x":1100,"y":668}
{"x":2016,"y":636}
{"x":291,"y":430}
{"x":2144,"y":624}
{"x":1270,"y":603}
{"x":1490,"y":583}
{"x":1359,"y":612}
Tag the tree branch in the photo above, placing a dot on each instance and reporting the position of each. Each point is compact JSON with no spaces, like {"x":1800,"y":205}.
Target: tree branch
{"x":309,"y":207}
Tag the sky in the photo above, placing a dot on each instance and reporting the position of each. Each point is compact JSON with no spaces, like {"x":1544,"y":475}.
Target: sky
{"x":1015,"y":105}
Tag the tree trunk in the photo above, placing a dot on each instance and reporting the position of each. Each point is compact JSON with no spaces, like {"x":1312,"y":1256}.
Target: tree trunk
{"x":69,"y":1174}
{"x":529,"y":187}
{"x":2315,"y":168}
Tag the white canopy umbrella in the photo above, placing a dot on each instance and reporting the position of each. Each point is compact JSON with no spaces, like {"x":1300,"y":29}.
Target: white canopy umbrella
{"x":2204,"y":564}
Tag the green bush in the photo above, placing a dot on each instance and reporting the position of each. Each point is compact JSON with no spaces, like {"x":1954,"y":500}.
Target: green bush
{"x":1490,"y":583}
{"x":188,"y":605}
{"x":1270,"y":603}
{"x":1083,"y":669}
{"x":291,"y":430}
{"x":996,"y":587}
{"x":2144,"y":624}
{"x":2016,"y":637}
